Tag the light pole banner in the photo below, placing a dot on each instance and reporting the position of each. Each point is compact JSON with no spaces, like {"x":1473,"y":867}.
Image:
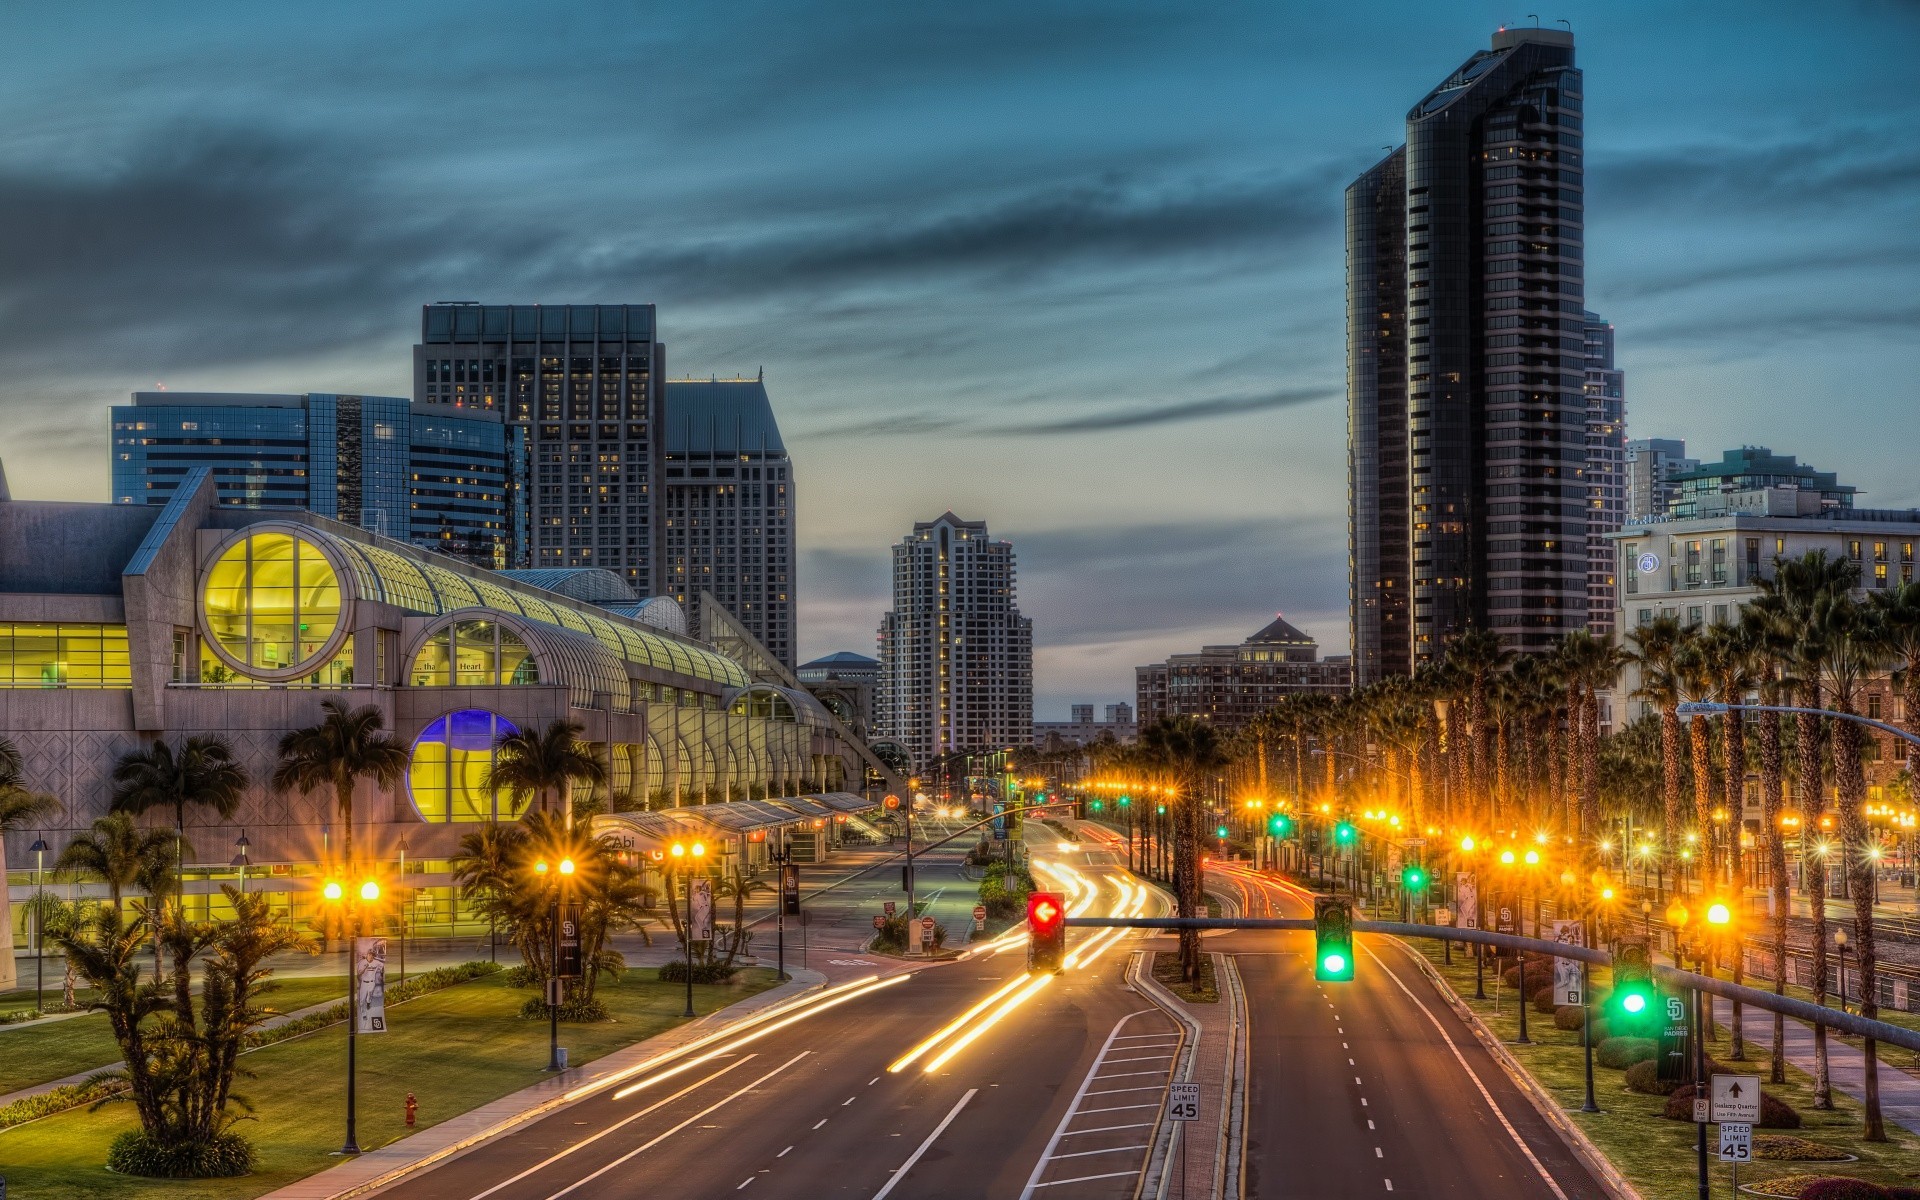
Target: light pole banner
{"x":1567,"y":984}
{"x":700,"y":911}
{"x":369,"y":985}
{"x":1466,"y":899}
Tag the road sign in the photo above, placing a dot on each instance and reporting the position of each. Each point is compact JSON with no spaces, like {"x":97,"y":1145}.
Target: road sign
{"x":926,"y":931}
{"x":979,"y":912}
{"x":1395,"y":876}
{"x":1736,"y":1098}
{"x":879,"y":922}
{"x":1183,"y":1102}
{"x":1443,"y":915}
{"x":1701,"y":1112}
{"x":887,"y":907}
{"x":1568,"y":987}
{"x":1736,"y":1142}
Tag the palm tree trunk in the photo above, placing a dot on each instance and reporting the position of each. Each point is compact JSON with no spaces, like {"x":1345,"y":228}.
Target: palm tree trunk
{"x":1670,"y":782}
{"x":1807,"y":756}
{"x":1186,"y":878}
{"x":1770,"y":770}
{"x":343,"y":803}
{"x":1735,"y":789}
{"x":1855,"y":839}
{"x":1702,"y":742}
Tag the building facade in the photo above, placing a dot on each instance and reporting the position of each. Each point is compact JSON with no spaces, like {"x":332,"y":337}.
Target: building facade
{"x":1651,"y":465}
{"x":374,"y":462}
{"x":122,"y":624}
{"x":1700,"y":490}
{"x":846,"y":683}
{"x":1083,"y":730}
{"x":1465,"y":252}
{"x":729,"y":503}
{"x":956,"y":656}
{"x":580,"y":390}
{"x":1231,"y":685}
{"x":1605,"y":469}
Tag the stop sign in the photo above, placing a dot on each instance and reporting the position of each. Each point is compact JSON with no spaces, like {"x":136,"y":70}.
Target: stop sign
{"x":879,"y":922}
{"x":979,"y":912}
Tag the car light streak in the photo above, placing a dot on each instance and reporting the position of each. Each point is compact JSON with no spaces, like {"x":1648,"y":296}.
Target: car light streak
{"x":966,"y":1039}
{"x":950,"y":1028}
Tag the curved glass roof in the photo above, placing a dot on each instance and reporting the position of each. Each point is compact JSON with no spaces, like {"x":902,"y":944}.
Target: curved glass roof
{"x":404,"y":579}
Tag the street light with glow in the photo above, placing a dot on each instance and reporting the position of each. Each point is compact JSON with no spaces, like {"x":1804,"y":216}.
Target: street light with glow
{"x":335,"y":893}
{"x":687,"y":855}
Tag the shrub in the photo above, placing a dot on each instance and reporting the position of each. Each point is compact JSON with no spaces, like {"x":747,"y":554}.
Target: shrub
{"x":1570,"y":1017}
{"x":1774,"y":1112}
{"x":1903,"y":1193}
{"x":710,"y":971}
{"x":1644,"y":1077}
{"x":574,"y":1008}
{"x":1545,"y":1000}
{"x":1784,"y":1147}
{"x":1839,"y":1187}
{"x":135,"y":1152}
{"x":53,"y":1100}
{"x":1622,"y":1052}
{"x":521,"y":976}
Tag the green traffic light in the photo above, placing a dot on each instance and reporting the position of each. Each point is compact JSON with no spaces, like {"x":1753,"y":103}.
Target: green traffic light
{"x":1125,"y":801}
{"x":1222,"y":831}
{"x":1335,"y":964}
{"x":1634,"y":1003}
{"x":1343,"y":832}
{"x":1415,"y":878}
{"x":1095,"y":806}
{"x":1281,"y":826}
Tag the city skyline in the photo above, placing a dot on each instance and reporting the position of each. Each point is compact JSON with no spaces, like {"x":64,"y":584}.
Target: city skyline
{"x":1746,"y":240}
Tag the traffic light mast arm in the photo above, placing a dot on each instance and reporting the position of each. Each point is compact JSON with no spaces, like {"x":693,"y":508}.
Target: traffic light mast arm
{"x":1701,"y":708}
{"x":1012,"y":808}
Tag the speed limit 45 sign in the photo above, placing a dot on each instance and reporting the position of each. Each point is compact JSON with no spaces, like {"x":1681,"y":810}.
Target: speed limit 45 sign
{"x":1183,"y":1102}
{"x":1736,"y":1142}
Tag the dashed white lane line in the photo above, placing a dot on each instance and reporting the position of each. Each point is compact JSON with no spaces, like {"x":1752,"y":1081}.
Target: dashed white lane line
{"x":1087,"y":1178}
{"x":1369,"y":1125}
{"x":820,"y":1122}
{"x":789,"y":1149}
{"x":744,"y":1182}
{"x":874,"y":1080}
{"x":1379,"y":1153}
{"x":1389,"y":1185}
{"x":848,"y":1100}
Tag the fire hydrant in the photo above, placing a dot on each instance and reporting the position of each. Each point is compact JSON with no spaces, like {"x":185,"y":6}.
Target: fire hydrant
{"x":413,"y":1106}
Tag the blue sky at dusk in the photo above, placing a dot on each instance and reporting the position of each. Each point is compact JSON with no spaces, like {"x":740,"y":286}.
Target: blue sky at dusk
{"x":1074,"y":269}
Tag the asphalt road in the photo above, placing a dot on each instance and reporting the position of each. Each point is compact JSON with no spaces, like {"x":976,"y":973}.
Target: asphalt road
{"x":1061,"y":1091}
{"x":1375,"y":1086}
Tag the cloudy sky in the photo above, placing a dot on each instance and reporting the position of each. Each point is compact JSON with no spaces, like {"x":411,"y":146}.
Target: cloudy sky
{"x":1073,"y":268}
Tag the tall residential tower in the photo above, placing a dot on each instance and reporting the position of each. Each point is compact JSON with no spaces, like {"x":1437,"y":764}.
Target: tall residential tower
{"x":956,"y":655}
{"x":1606,"y":470}
{"x":1465,"y":251}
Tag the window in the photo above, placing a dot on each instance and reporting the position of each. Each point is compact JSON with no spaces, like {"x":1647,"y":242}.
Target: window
{"x":271,"y":602}
{"x":34,"y":655}
{"x":1693,"y":614}
{"x":473,"y":654}
{"x":449,"y":766}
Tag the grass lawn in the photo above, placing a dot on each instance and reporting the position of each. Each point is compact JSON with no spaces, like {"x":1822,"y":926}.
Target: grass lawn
{"x":1166,"y":971}
{"x":1657,"y":1155}
{"x":34,"y":1054}
{"x":454,"y":1049}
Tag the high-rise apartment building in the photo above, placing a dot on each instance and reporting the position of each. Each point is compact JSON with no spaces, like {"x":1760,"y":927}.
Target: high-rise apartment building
{"x":1652,"y":464}
{"x":956,"y":655}
{"x":1466,"y":364}
{"x":1230,"y":686}
{"x":1606,"y":469}
{"x":437,"y":479}
{"x":580,"y":389}
{"x":728,"y":526}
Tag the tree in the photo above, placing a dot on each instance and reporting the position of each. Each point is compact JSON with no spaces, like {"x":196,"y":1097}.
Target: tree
{"x":483,"y":870}
{"x":1590,"y":664}
{"x":1899,"y":614}
{"x":117,"y":852}
{"x":1771,"y":638}
{"x":1188,"y":752}
{"x":548,"y":762}
{"x":348,"y":745}
{"x":1477,"y":656}
{"x":200,"y":772}
{"x":1656,"y":648}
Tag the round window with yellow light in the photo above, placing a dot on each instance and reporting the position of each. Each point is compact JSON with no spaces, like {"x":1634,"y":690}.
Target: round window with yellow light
{"x":271,"y":605}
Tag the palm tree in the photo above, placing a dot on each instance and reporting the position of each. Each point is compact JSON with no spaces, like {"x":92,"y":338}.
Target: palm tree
{"x":1477,"y":655}
{"x":348,"y":745}
{"x":1590,"y":663}
{"x":484,"y":870}
{"x":1656,"y":649}
{"x":1772,"y":641}
{"x":20,"y":808}
{"x":1699,"y":667}
{"x":201,"y":773}
{"x":551,"y":761}
{"x":117,"y":852}
{"x":1188,"y":752}
{"x":1899,"y":611}
{"x":1732,"y":653}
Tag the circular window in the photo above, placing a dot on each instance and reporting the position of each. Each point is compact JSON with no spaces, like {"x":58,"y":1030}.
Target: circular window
{"x":271,"y":604}
{"x":451,"y":759}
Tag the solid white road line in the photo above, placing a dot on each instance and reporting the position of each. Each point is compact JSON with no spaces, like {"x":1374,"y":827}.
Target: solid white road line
{"x":1073,"y":1109}
{"x":1462,"y":1059}
{"x":638,"y":1150}
{"x":922,"y":1148}
{"x":1090,"y":1178}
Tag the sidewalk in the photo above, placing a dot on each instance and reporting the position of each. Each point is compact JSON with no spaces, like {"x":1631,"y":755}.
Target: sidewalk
{"x":1846,"y":1067}
{"x":384,"y":1165}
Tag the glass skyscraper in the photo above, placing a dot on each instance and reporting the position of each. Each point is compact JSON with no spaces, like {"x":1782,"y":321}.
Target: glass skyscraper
{"x":368,"y":461}
{"x":1466,"y":364}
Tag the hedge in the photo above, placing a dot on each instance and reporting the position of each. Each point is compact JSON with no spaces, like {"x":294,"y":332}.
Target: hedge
{"x":1619,"y":1053}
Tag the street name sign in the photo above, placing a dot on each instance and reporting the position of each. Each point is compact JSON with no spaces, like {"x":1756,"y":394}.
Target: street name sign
{"x":1183,"y":1102}
{"x":1736,"y":1099}
{"x":1736,"y":1142}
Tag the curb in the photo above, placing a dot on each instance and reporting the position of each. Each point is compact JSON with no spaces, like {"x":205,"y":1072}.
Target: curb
{"x":1230,"y":1163}
{"x":1154,"y":1180}
{"x":1549,"y":1108}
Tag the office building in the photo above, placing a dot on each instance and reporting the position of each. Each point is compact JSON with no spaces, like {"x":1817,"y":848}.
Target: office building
{"x":846,"y":683}
{"x":1606,"y":465}
{"x":1231,"y":685}
{"x":956,"y":656}
{"x":728,"y":496}
{"x":579,"y":387}
{"x":1704,"y":490}
{"x":437,"y":479}
{"x":1464,"y":266}
{"x":123,"y":623}
{"x":1651,"y":465}
{"x":1083,"y":730}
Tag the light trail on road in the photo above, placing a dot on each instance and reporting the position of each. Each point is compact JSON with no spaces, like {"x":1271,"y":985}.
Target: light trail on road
{"x":966,"y":1039}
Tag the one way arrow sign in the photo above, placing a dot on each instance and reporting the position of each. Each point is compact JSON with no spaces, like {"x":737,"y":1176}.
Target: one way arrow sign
{"x":1736,"y":1098}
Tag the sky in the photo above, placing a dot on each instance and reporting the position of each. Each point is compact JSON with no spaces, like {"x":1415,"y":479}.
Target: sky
{"x":1074,"y":269}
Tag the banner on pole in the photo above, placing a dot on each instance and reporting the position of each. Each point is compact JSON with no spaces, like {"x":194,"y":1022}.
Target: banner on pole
{"x":700,"y":911}
{"x":1568,"y":987}
{"x":1466,"y":899}
{"x":369,"y":985}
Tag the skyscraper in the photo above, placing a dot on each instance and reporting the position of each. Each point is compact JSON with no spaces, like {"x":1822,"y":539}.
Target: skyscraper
{"x":437,"y":479}
{"x":1464,"y":253}
{"x":956,"y":655}
{"x":729,"y":503}
{"x":1606,"y":467}
{"x":1652,"y":464}
{"x":580,"y":389}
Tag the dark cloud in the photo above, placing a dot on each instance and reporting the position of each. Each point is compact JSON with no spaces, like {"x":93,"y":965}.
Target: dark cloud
{"x":1749,"y":330}
{"x":1833,"y":171}
{"x":1166,"y":414}
{"x":1798,"y":265}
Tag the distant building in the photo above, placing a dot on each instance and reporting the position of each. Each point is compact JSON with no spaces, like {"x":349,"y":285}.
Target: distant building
{"x":1083,"y":714}
{"x":729,"y":505}
{"x":1120,"y":714}
{"x":1083,"y":730}
{"x":1606,"y":389}
{"x":956,"y":655}
{"x":1651,"y":465}
{"x":435,"y":478}
{"x":845,"y":682}
{"x":1703,"y":490}
{"x":1231,"y":685}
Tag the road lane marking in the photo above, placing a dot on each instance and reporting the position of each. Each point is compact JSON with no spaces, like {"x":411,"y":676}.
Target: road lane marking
{"x":1143,"y":1058}
{"x":848,"y":1100}
{"x":1379,"y":1153}
{"x":784,"y":1153}
{"x":620,"y":1124}
{"x":1462,"y":1059}
{"x":1089,"y":1178}
{"x":913,"y":1158}
{"x":744,"y":1182}
{"x":820,"y":1122}
{"x":1108,"y":1150}
{"x":1151,"y":1087}
{"x":638,"y":1150}
{"x":1087,"y":1112}
{"x":1106,"y":1129}
{"x":1127,"y":1074}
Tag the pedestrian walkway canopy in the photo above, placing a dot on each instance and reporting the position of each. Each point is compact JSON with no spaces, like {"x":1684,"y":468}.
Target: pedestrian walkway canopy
{"x":655,"y":830}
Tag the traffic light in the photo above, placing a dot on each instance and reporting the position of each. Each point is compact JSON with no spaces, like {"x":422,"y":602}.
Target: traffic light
{"x":1280,"y":825}
{"x":1221,"y":832}
{"x":1047,"y":932}
{"x":1343,"y":833}
{"x":1332,"y":938}
{"x":1635,"y":1002}
{"x":1094,"y":805}
{"x":1414,"y":878}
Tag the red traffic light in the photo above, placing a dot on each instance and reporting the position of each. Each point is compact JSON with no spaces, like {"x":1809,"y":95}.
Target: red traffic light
{"x":1045,"y":911}
{"x":1047,"y":932}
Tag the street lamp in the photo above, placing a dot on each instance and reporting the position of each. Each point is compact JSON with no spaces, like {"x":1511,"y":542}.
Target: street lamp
{"x":334,"y":893}
{"x":240,"y":859}
{"x":561,"y":874}
{"x":685,"y":857}
{"x":39,"y":849}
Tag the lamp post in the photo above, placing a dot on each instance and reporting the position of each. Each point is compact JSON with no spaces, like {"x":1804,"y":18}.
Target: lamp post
{"x":1840,"y":940}
{"x":354,"y":905}
{"x":406,"y":898}
{"x":39,"y":849}
{"x":240,"y":860}
{"x":562,"y":874}
{"x":685,"y":856}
